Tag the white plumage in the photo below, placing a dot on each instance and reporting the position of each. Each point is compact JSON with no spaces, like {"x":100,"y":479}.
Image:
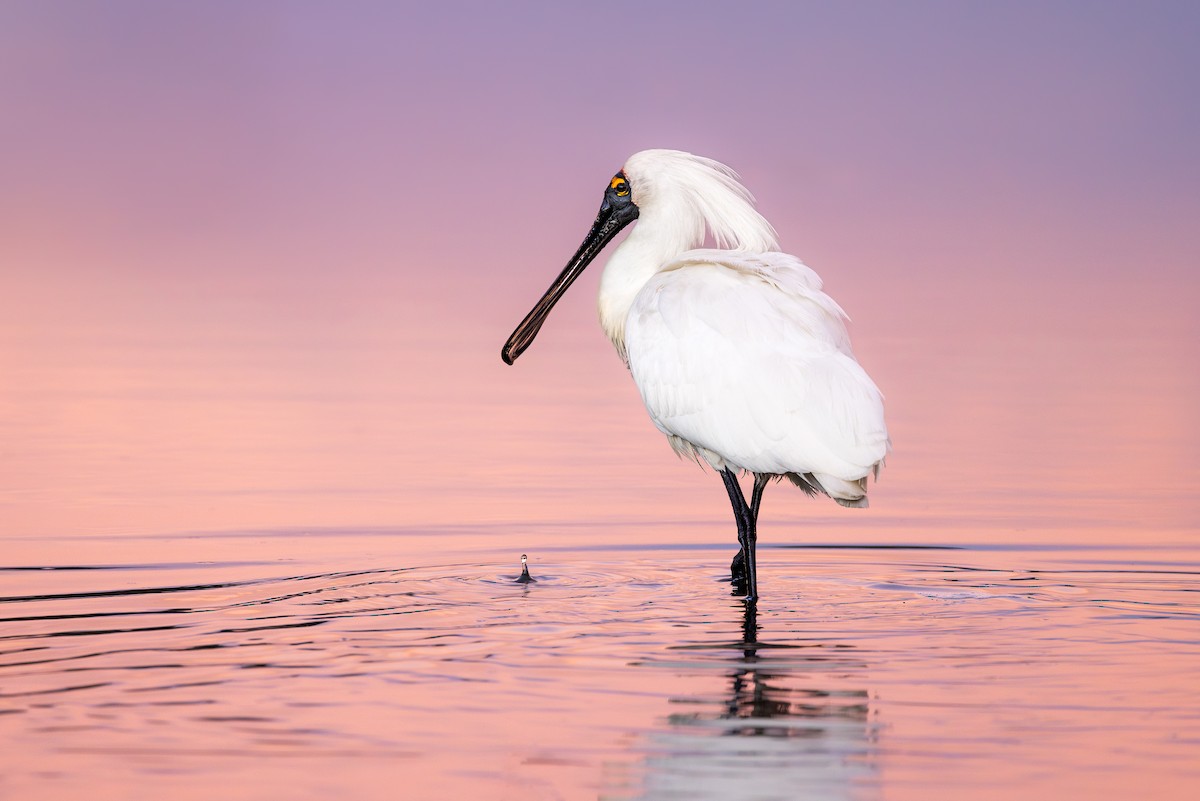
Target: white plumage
{"x":766,"y":384}
{"x":740,"y":357}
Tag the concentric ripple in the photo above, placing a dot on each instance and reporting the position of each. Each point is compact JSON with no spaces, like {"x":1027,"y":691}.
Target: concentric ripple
{"x":618,"y":674}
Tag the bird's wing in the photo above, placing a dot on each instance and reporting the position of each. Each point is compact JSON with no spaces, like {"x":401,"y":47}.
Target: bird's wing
{"x":742,"y":355}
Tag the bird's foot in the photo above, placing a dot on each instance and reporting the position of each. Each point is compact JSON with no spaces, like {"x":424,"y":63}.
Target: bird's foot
{"x":737,"y":568}
{"x":738,"y":576}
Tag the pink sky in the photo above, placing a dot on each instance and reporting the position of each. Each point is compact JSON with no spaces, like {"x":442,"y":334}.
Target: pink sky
{"x":258,"y":261}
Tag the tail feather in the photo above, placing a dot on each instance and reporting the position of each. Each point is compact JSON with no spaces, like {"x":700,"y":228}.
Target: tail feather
{"x":806,"y":482}
{"x":846,"y":493}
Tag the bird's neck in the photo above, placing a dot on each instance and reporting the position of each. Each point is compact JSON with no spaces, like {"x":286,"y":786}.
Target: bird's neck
{"x":655,"y":241}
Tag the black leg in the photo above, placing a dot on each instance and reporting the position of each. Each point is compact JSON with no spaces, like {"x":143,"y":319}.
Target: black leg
{"x":737,"y":568}
{"x":746,"y":534}
{"x":760,"y":483}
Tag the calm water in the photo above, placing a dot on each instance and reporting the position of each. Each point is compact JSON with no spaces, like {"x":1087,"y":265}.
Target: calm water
{"x":622,"y":673}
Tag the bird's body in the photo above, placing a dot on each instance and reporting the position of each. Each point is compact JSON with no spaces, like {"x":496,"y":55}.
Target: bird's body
{"x":742,"y":360}
{"x":766,"y":384}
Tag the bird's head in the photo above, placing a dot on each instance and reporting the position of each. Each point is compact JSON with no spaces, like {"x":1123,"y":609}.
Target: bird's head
{"x":617,"y":210}
{"x":686,"y":195}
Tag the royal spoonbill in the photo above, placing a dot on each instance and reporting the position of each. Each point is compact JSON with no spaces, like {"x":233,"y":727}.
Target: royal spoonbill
{"x":742,"y":361}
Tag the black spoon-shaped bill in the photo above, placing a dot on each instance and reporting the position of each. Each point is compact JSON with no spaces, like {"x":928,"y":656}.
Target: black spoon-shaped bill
{"x":617,"y":211}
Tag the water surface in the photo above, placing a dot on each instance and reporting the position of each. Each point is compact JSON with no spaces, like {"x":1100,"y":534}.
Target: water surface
{"x":624,"y":672}
{"x":278,"y":564}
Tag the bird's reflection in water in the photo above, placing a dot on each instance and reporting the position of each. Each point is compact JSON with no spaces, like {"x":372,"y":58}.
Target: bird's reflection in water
{"x":790,"y":725}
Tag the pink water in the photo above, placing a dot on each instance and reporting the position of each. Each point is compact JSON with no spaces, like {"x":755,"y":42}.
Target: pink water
{"x":266,"y":571}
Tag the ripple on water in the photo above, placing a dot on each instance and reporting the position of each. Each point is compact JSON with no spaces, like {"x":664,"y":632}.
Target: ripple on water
{"x":633,"y":674}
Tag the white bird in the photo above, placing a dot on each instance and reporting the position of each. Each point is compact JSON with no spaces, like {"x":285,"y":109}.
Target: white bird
{"x":742,"y":361}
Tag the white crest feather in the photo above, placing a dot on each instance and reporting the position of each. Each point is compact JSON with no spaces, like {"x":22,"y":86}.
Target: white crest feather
{"x":704,"y":195}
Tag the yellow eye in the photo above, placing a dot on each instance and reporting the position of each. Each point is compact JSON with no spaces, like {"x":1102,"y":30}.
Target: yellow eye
{"x":618,"y":183}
